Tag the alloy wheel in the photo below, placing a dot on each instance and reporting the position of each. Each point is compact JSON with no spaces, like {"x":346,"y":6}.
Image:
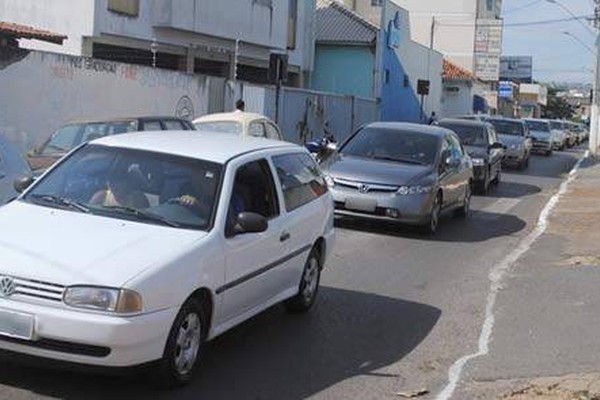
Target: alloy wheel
{"x":188,"y":344}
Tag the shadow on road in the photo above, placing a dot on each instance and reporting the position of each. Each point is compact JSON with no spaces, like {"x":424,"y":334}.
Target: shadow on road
{"x":513,"y":190}
{"x":481,"y":226}
{"x":273,"y":356}
{"x":555,"y":166}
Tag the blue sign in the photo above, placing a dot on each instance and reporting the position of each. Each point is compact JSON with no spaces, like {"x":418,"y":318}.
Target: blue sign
{"x":394,"y":32}
{"x":505,"y":90}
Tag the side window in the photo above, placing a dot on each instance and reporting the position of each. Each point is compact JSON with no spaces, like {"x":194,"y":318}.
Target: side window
{"x":173,"y":125}
{"x":493,"y":137}
{"x":253,"y":191}
{"x":152,"y":126}
{"x":272,"y":131}
{"x":300,"y":178}
{"x":257,"y":129}
{"x":455,"y":148}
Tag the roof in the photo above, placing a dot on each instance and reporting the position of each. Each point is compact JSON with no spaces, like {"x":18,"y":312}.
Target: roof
{"x":121,"y":119}
{"x":463,"y":122}
{"x":28,"y":32}
{"x":410,"y":127}
{"x":214,"y":147}
{"x":238,"y":116}
{"x":338,"y":24}
{"x":454,"y":72}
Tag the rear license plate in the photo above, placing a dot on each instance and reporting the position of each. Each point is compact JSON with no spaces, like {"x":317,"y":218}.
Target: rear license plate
{"x":16,"y":325}
{"x":361,"y":204}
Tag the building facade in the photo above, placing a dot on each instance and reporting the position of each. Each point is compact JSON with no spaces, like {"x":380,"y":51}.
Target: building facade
{"x":196,"y":36}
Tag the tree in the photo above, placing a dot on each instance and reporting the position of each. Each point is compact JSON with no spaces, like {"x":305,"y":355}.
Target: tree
{"x":557,"y":107}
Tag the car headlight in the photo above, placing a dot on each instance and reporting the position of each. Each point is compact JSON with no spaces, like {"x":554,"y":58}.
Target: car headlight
{"x":408,"y":190}
{"x":478,"y":162}
{"x":121,"y":301}
{"x":329,"y":180}
{"x":515,"y":147}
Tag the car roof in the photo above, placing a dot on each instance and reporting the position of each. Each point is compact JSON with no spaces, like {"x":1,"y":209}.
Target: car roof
{"x":411,"y":127}
{"x":209,"y":146}
{"x":464,"y":122}
{"x":536,"y":119}
{"x":500,"y":118}
{"x":237,"y":116}
{"x":119,"y":119}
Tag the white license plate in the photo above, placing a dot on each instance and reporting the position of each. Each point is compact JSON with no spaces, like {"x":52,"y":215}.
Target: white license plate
{"x":361,"y":204}
{"x":16,"y":325}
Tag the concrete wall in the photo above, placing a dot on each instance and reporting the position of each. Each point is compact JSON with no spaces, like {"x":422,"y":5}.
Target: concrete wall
{"x":345,"y":70}
{"x":457,"y":99}
{"x":73,"y":18}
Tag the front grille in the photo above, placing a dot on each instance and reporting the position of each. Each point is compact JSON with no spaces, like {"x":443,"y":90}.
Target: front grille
{"x":38,"y":289}
{"x":366,"y":187}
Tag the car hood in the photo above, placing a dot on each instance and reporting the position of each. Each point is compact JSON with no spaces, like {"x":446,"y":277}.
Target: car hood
{"x":70,"y":248}
{"x":507,"y":140}
{"x":476,"y":151}
{"x":376,"y":171}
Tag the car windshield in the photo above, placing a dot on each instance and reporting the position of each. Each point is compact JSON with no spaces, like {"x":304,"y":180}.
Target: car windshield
{"x":70,"y":136}
{"x":539,"y":126}
{"x":504,"y":127}
{"x":393,"y":145}
{"x":220,"y":127}
{"x":132,"y":184}
{"x":470,"y":135}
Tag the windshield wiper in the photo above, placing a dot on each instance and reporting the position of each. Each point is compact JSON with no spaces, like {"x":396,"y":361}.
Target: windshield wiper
{"x":399,"y":160}
{"x":143,"y":215}
{"x":60,"y":201}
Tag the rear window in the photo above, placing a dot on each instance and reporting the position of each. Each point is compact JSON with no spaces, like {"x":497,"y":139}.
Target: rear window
{"x":540,"y":126}
{"x":70,"y":136}
{"x":300,"y":178}
{"x":470,"y":135}
{"x":220,"y":127}
{"x":503,"y":127}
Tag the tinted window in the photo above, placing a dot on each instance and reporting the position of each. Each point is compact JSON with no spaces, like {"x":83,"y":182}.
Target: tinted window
{"x":174,"y":125}
{"x":503,"y":127}
{"x":540,"y":126}
{"x":393,"y":145}
{"x":470,"y":135}
{"x":152,"y":126}
{"x":220,"y":127}
{"x":300,"y":178}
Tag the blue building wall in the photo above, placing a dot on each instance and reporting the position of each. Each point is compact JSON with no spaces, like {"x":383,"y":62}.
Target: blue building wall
{"x":344,"y":70}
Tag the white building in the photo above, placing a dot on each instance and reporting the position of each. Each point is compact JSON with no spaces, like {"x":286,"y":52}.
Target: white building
{"x":189,"y":35}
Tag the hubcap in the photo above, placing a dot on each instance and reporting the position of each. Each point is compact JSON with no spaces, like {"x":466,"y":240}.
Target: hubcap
{"x":435,"y":215}
{"x":310,"y":279}
{"x":188,"y":344}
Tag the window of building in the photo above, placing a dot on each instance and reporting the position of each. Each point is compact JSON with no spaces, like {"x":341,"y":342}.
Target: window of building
{"x":376,"y":3}
{"x":127,"y":7}
{"x":292,"y":24}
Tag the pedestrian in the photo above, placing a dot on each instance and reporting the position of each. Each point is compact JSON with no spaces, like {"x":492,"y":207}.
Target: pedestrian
{"x":433,"y":118}
{"x":240,"y":105}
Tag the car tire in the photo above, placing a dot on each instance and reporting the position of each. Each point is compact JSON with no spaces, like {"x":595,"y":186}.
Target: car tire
{"x":434,"y":218}
{"x":498,"y":177}
{"x":483,"y":187}
{"x":308,"y":287}
{"x":184,"y":346}
{"x":465,"y":210}
{"x":548,"y":153}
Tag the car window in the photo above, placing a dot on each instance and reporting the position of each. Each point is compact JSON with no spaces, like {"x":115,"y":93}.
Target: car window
{"x":456,"y":151}
{"x":493,"y":135}
{"x":173,"y":125}
{"x":152,"y":126}
{"x":62,"y":140}
{"x":253,"y":191}
{"x":470,"y":135}
{"x":394,"y":145}
{"x":301,"y":179}
{"x":272,"y":131}
{"x":538,"y":126}
{"x":257,"y":129}
{"x":507,"y":127}
{"x":220,"y":127}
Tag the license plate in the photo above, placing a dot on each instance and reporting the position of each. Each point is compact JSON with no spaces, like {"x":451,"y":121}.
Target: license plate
{"x":16,"y":325}
{"x":361,"y":204}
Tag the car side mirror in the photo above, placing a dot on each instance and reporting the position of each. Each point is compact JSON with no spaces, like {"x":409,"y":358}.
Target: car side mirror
{"x":248,"y":222}
{"x":497,"y":146}
{"x":452,"y":163}
{"x":21,"y":184}
{"x":331,"y":147}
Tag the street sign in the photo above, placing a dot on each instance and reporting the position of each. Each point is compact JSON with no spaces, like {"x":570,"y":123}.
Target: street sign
{"x":423,"y":87}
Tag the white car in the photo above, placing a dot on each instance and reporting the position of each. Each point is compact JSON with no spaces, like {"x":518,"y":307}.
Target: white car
{"x":239,"y":123}
{"x":140,"y":247}
{"x":13,"y":165}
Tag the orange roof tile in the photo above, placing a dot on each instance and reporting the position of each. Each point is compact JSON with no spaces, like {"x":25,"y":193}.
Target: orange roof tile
{"x":28,"y":32}
{"x":454,"y":72}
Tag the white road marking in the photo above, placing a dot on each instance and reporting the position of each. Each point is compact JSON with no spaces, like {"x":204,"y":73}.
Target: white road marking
{"x":498,"y":208}
{"x":496,"y":276}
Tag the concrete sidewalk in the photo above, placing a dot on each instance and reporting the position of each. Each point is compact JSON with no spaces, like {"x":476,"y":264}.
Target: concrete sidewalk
{"x":546,"y":338}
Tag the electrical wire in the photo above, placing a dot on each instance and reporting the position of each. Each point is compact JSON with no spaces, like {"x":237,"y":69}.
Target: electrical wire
{"x":510,"y":11}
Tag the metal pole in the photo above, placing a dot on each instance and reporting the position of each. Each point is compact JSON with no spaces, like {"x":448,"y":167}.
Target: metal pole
{"x":596,"y":99}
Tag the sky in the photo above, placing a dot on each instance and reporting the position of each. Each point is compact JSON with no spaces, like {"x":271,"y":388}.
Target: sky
{"x":557,"y":56}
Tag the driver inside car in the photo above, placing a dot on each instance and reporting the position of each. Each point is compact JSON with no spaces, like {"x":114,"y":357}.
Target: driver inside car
{"x":122,"y":190}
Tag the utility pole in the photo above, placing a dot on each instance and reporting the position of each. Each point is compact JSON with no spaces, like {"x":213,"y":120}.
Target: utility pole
{"x":594,"y":128}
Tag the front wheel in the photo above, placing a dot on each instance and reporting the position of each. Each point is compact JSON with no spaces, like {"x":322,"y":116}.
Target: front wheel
{"x":309,"y":285}
{"x":183,"y":348}
{"x":434,"y":217}
{"x":465,"y":210}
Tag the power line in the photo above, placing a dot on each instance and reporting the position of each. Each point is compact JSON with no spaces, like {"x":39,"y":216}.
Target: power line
{"x":534,"y":2}
{"x":550,"y":21}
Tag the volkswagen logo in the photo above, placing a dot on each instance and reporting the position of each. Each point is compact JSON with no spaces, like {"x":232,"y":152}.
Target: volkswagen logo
{"x":7,"y":286}
{"x":364,"y":188}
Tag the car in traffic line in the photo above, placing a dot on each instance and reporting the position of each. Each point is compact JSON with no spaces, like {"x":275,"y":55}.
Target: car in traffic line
{"x":239,"y":123}
{"x":569,"y":136}
{"x":514,"y":134}
{"x":12,"y":166}
{"x":72,"y":134}
{"x":543,"y":137}
{"x":480,"y":142}
{"x":140,"y":247}
{"x":400,"y":172}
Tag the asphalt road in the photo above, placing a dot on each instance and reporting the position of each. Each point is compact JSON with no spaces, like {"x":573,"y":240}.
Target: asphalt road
{"x":396,"y":309}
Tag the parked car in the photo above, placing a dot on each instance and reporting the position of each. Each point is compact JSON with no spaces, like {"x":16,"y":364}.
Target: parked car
{"x":480,"y":142}
{"x":12,"y":166}
{"x":514,"y":134}
{"x":147,"y":245}
{"x":401,"y":172}
{"x":543,"y":137}
{"x":72,"y":134}
{"x":240,"y":123}
{"x":570,"y":138}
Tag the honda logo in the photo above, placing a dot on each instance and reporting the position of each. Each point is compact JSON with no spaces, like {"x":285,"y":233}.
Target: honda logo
{"x":364,"y":188}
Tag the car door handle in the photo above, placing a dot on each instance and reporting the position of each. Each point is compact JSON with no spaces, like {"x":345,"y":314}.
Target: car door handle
{"x":285,"y":236}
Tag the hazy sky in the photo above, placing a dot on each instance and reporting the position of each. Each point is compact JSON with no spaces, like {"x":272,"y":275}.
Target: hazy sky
{"x":556,"y":55}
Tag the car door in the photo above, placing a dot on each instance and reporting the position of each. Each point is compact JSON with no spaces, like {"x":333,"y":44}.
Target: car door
{"x":459,"y":171}
{"x":445,"y":174}
{"x":252,"y":259}
{"x":495,"y":155}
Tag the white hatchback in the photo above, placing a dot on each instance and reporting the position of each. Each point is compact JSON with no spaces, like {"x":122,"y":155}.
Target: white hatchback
{"x":140,"y":247}
{"x":239,"y":123}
